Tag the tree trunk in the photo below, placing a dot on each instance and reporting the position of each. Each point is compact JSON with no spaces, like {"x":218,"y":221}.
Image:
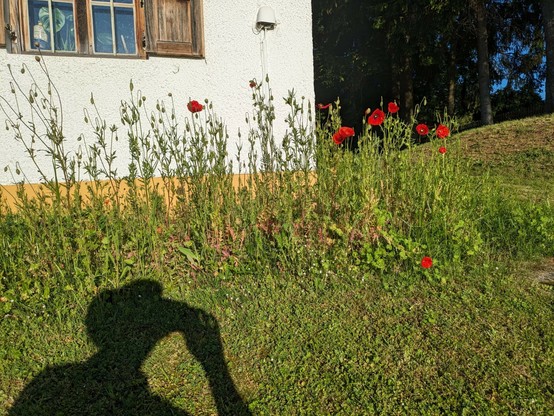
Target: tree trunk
{"x":396,"y":88}
{"x":548,"y":22}
{"x":483,"y":61}
{"x":402,"y":83}
{"x":451,"y":105}
{"x":407,"y":89}
{"x":406,"y":69}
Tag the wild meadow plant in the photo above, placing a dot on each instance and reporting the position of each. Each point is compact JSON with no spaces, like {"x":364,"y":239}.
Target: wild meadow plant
{"x":321,"y":199}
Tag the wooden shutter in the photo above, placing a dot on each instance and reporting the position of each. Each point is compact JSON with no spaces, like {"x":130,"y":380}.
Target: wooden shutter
{"x":174,"y":27}
{"x":2,"y":24}
{"x":14,"y":37}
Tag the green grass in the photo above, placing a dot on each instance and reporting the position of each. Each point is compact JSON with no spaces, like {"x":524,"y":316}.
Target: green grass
{"x":520,"y":153}
{"x":313,"y":291}
{"x":480,"y":344}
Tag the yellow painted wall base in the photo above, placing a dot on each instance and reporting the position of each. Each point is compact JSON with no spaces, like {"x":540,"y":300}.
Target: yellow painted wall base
{"x":11,"y":195}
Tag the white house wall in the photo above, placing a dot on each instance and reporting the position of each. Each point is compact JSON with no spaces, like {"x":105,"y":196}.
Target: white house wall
{"x":232,"y":58}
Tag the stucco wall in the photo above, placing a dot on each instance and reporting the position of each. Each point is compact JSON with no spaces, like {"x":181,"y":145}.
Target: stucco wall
{"x":232,"y":58}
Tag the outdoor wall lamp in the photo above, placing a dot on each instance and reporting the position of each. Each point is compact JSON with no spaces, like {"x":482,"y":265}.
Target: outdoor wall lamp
{"x":265,"y":19}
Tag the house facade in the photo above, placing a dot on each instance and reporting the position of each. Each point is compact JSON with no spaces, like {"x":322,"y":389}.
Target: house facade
{"x":191,"y":49}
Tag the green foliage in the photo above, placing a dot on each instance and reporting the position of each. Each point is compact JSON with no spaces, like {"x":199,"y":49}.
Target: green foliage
{"x":407,"y":50}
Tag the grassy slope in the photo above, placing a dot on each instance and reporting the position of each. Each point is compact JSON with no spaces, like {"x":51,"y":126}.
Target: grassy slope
{"x":520,"y":152}
{"x":347,"y":344}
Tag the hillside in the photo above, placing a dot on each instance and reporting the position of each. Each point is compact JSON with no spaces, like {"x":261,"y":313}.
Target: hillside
{"x":519,"y":152}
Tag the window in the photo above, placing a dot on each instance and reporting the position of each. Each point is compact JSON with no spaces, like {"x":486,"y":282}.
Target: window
{"x":113,"y":27}
{"x":51,"y":25}
{"x":105,"y":27}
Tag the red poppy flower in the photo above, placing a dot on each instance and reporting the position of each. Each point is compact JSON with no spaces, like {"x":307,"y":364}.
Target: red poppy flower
{"x":194,"y":106}
{"x":393,"y":108}
{"x":422,"y":129}
{"x":342,"y":134}
{"x":426,"y":262}
{"x":442,"y":131}
{"x":442,"y":150}
{"x":252,"y":83}
{"x":376,"y":118}
{"x":323,"y":107}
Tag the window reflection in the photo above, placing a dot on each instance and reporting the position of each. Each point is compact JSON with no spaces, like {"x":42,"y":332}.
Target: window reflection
{"x":114,"y":27}
{"x":52,"y":25}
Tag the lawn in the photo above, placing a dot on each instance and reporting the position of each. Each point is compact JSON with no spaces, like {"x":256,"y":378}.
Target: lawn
{"x":292,"y":295}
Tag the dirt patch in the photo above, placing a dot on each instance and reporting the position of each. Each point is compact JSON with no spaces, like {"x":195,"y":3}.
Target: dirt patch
{"x":543,"y":272}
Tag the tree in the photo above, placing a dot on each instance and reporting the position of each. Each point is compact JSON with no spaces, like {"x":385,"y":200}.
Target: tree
{"x":483,"y":66}
{"x":548,"y":22}
{"x":442,"y":50}
{"x":519,"y":44}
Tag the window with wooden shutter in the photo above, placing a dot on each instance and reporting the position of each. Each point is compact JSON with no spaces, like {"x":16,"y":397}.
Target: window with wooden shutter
{"x":105,"y":27}
{"x":174,"y":27}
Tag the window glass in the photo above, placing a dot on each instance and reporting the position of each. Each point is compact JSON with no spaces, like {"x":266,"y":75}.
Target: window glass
{"x":102,"y":28}
{"x":114,"y":27}
{"x":62,"y":37}
{"x":125,"y":30}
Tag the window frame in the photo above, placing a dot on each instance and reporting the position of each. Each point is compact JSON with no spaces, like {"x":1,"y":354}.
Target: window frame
{"x":137,"y":7}
{"x":26,"y":27}
{"x":147,"y":34}
{"x":3,"y":30}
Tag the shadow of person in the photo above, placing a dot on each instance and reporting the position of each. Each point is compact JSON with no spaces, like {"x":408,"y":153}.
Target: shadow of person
{"x":126,"y":324}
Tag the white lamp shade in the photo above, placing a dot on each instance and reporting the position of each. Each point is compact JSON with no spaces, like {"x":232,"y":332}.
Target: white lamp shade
{"x":265,"y":18}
